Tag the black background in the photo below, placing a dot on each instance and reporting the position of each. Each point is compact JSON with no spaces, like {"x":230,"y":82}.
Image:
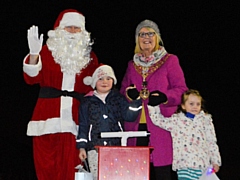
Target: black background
{"x":204,"y":35}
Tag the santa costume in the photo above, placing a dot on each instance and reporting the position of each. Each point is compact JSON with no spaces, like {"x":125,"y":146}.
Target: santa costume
{"x":54,"y":123}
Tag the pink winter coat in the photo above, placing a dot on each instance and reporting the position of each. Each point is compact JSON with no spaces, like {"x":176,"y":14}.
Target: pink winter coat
{"x":169,"y":79}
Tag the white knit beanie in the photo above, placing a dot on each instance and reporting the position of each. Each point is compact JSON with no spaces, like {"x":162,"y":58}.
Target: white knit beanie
{"x":101,"y":71}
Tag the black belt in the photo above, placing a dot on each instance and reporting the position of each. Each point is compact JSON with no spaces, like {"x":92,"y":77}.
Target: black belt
{"x":49,"y":92}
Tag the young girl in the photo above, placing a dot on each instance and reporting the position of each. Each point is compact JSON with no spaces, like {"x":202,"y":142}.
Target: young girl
{"x":102,"y":110}
{"x":193,"y":134}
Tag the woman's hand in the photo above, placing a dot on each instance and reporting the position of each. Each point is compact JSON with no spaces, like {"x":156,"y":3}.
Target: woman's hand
{"x":132,"y":92}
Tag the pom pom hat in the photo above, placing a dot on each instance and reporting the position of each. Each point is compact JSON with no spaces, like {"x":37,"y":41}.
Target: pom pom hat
{"x":147,"y":23}
{"x":101,"y":71}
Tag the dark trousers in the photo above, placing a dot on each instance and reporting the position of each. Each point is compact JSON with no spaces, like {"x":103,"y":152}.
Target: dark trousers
{"x":157,"y":172}
{"x":162,"y":173}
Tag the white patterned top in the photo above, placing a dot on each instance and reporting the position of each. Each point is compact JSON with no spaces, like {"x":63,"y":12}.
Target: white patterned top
{"x":194,"y":140}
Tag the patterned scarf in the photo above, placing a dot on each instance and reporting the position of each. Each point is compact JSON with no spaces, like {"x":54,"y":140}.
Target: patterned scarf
{"x":140,"y":60}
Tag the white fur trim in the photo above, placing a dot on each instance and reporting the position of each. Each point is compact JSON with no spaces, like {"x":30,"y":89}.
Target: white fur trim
{"x":51,"y":126}
{"x":32,"y":69}
{"x":72,"y":19}
{"x":51,"y":33}
{"x":66,"y":116}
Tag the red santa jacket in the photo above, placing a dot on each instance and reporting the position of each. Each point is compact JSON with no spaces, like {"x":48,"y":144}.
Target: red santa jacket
{"x":54,"y":115}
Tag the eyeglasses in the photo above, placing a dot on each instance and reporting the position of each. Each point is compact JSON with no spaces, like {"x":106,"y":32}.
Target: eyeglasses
{"x":143,"y":34}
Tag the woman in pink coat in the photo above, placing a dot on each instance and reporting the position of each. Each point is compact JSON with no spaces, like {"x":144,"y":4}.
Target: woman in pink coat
{"x":158,"y":79}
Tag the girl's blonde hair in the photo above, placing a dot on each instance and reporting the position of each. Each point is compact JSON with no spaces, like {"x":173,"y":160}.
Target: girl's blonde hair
{"x":157,"y":38}
{"x":185,"y":96}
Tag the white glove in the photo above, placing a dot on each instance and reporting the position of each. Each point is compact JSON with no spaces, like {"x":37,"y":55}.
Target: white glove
{"x":34,"y":43}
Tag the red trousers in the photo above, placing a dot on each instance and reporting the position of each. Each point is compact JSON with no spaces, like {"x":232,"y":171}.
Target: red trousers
{"x":55,"y":156}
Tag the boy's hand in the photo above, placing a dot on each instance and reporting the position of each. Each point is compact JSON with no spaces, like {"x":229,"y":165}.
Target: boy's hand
{"x":82,"y":154}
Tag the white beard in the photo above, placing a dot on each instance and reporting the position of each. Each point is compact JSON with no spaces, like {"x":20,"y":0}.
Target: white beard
{"x":70,"y":50}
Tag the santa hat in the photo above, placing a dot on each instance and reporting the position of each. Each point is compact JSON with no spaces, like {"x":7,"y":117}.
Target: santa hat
{"x":69,"y":17}
{"x":101,"y":71}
